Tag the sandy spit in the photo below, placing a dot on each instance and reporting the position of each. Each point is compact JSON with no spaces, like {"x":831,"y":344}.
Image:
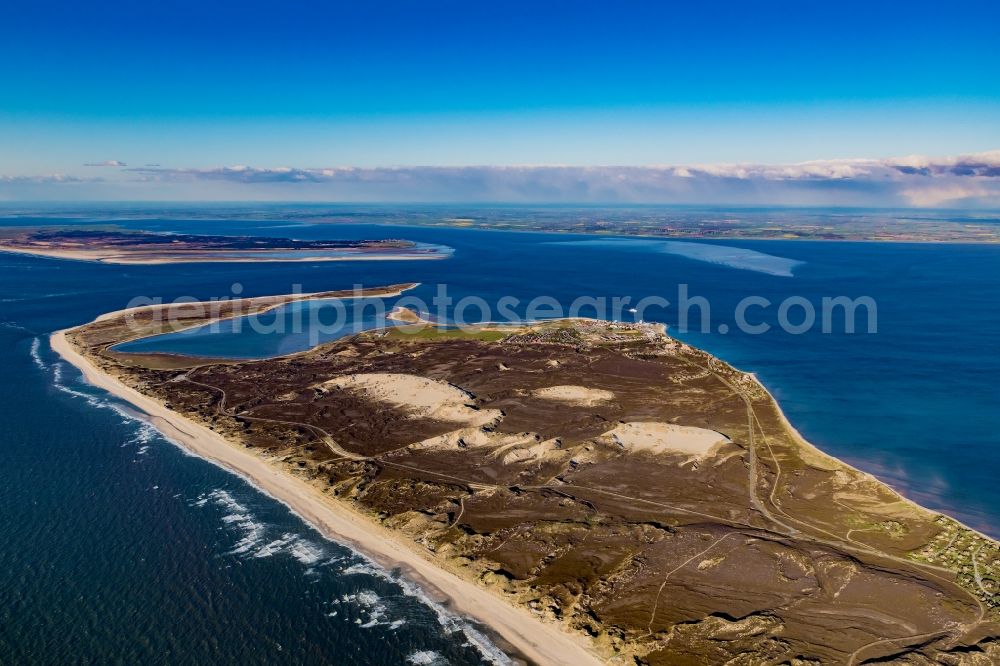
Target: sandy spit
{"x":530,"y":637}
{"x":105,"y":257}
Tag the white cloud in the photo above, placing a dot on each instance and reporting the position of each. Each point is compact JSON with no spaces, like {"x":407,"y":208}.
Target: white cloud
{"x":47,"y":178}
{"x":941,"y":196}
{"x":906,"y":181}
{"x":965,"y":180}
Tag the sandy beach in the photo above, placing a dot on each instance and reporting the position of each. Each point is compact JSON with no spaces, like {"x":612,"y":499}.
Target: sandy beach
{"x":518,"y":631}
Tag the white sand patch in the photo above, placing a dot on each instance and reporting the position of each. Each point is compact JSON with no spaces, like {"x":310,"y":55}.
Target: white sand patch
{"x":577,"y":395}
{"x":509,"y":448}
{"x":420,"y":397}
{"x":657,"y":437}
{"x":475,"y":437}
{"x":519,"y":452}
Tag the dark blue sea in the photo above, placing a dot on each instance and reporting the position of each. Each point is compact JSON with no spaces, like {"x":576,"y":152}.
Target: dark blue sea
{"x":118,"y":547}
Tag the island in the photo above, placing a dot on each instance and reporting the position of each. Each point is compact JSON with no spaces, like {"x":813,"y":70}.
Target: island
{"x":134,"y":247}
{"x":591,"y":491}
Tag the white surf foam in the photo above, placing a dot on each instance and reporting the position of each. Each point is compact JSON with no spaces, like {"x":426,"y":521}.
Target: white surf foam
{"x":305,"y":551}
{"x":425,"y":658}
{"x":143,"y":436}
{"x":239,"y":516}
{"x":273,"y":547}
{"x":255,"y":542}
{"x":371,"y":605}
{"x":36,"y":345}
{"x":450,"y":622}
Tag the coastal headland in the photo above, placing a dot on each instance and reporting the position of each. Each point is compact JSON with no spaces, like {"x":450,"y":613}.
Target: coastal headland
{"x":590,"y":490}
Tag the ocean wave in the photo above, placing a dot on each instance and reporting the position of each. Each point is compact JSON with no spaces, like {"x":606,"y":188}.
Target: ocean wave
{"x":305,"y":551}
{"x":14,"y":326}
{"x":369,"y":603}
{"x":373,"y":606}
{"x":36,"y":356}
{"x":450,"y":622}
{"x":92,"y":400}
{"x":144,"y":434}
{"x":40,"y":297}
{"x":425,"y":658}
{"x":255,"y":542}
{"x":274,"y":547}
{"x":237,"y":515}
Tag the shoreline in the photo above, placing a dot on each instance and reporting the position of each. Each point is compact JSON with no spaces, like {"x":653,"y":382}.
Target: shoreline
{"x":802,"y":441}
{"x":529,"y":637}
{"x":683,"y":237}
{"x":271,"y":303}
{"x":119,"y":260}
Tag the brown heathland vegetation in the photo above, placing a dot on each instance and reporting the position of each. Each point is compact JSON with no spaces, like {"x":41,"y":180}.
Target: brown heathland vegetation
{"x":628,"y":488}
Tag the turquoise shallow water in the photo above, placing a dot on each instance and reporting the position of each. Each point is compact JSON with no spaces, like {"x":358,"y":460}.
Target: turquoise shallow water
{"x":120,"y":547}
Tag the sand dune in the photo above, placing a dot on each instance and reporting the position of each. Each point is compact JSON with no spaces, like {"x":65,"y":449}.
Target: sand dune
{"x":657,"y":437}
{"x":420,"y":397}
{"x":577,"y":395}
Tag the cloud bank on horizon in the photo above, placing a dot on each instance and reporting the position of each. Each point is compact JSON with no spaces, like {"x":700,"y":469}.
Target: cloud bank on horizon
{"x":971,"y":181}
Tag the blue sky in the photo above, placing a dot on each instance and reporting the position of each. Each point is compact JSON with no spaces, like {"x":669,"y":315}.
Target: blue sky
{"x":202,"y":86}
